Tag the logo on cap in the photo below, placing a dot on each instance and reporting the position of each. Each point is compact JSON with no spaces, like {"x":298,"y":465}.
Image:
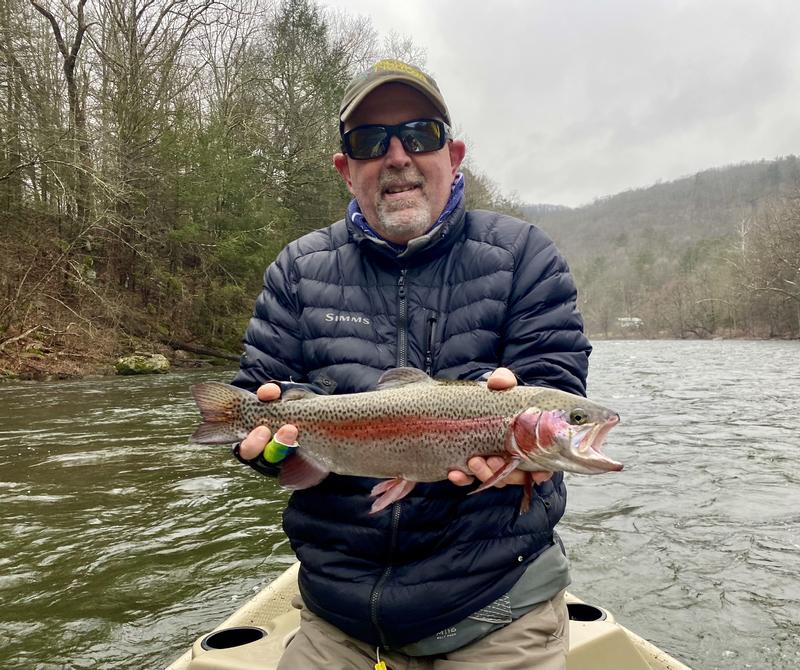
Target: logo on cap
{"x":390,"y":65}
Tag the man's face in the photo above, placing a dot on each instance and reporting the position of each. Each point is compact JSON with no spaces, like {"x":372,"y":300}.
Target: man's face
{"x":400,"y":194}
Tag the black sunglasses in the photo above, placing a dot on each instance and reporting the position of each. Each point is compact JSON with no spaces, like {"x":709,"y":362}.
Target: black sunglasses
{"x":418,"y":137}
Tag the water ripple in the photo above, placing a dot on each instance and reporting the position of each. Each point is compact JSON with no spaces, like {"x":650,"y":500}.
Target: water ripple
{"x":120,"y":543}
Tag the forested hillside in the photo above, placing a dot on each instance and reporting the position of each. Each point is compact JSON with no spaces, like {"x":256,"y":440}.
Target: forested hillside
{"x":714,"y":254}
{"x":154,"y":157}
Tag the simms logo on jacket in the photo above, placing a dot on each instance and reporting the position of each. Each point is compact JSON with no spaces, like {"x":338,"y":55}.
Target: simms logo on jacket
{"x":350,"y":318}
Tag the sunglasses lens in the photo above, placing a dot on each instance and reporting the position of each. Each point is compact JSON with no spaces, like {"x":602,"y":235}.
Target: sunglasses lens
{"x":367,"y":142}
{"x":421,"y":136}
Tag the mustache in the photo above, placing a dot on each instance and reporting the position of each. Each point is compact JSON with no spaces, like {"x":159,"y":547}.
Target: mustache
{"x":389,"y":178}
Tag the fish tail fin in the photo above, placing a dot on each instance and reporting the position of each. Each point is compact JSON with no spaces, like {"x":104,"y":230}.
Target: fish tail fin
{"x":221,"y":407}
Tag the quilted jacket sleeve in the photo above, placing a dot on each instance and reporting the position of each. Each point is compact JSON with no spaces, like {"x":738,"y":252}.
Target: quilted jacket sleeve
{"x":544,"y":342}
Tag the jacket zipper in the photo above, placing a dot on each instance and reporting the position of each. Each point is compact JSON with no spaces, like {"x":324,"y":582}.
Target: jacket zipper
{"x":378,"y":590}
{"x":402,"y":321}
{"x":430,"y":334}
{"x":402,"y":359}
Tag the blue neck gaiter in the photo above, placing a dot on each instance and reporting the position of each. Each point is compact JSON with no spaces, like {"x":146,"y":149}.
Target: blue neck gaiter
{"x":456,"y":196}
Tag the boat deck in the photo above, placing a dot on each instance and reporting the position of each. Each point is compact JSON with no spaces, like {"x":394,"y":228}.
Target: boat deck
{"x":597,"y":644}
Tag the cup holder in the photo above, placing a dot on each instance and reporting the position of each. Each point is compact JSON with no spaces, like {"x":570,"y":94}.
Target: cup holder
{"x":228,"y":638}
{"x":585,"y":612}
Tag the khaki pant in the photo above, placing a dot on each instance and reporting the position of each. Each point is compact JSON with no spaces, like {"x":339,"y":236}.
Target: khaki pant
{"x":537,"y":641}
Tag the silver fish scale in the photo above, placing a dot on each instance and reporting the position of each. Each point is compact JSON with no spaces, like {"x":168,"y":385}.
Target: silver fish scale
{"x":418,"y":431}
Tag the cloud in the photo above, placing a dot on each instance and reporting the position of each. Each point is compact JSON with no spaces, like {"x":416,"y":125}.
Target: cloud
{"x":565,"y":102}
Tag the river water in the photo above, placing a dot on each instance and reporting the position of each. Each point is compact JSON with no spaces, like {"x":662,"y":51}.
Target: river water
{"x":120,"y":544}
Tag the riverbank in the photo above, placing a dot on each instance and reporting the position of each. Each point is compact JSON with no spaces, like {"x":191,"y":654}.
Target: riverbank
{"x":70,"y":309}
{"x":44,"y":354}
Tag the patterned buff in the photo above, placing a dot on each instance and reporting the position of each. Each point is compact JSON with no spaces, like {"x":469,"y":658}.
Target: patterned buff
{"x":456,"y":196}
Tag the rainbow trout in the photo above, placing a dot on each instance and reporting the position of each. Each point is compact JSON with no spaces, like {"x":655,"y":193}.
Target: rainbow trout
{"x":415,"y":429}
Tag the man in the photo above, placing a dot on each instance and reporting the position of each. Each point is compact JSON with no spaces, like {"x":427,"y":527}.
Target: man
{"x":439,"y":579}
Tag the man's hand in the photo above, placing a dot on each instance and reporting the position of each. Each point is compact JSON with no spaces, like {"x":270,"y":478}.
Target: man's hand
{"x":257,"y":439}
{"x":501,"y":379}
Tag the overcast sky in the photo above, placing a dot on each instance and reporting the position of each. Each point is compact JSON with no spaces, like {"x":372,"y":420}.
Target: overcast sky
{"x":563,"y":101}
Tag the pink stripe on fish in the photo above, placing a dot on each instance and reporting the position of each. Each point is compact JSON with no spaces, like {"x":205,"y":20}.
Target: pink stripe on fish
{"x":393,"y":427}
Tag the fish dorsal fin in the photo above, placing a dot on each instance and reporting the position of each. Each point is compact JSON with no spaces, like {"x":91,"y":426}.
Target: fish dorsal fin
{"x":399,"y":377}
{"x":297,"y":394}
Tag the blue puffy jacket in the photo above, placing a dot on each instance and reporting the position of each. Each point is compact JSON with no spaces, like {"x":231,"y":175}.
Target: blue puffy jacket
{"x":339,"y":308}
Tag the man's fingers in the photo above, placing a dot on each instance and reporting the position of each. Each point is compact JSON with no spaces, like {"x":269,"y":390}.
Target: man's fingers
{"x":501,"y":379}
{"x":459,"y":478}
{"x":495,"y":463}
{"x":482,"y":470}
{"x":268,"y":392}
{"x":485,"y":468}
{"x":286,"y":435}
{"x":254,"y":443}
{"x":541,"y":477}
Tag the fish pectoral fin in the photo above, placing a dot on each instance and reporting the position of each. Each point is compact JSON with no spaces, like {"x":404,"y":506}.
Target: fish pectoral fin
{"x":500,"y":475}
{"x":299,"y":472}
{"x":527,"y":493}
{"x":389,"y":491}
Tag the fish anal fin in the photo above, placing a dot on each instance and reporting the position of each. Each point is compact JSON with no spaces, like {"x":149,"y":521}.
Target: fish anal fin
{"x":399,"y":377}
{"x":300,"y":472}
{"x":499,"y":475}
{"x":390,"y":491}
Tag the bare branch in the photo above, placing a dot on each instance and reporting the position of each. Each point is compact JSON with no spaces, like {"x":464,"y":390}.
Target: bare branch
{"x":62,"y":47}
{"x":11,"y":340}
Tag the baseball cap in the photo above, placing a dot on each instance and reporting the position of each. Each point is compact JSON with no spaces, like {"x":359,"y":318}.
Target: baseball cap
{"x":384,"y":72}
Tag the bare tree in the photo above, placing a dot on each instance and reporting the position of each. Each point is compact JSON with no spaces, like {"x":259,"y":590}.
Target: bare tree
{"x":145,"y":64}
{"x":69,"y":50}
{"x":769,"y":255}
{"x":402,"y":47}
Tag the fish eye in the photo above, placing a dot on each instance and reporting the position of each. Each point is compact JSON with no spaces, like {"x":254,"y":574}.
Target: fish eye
{"x":578,"y":417}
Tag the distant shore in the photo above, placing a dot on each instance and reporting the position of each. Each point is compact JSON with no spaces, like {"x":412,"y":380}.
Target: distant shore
{"x":32,"y":361}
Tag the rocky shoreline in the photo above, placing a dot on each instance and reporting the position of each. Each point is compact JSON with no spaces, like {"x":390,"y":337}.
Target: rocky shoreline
{"x":34,"y":361}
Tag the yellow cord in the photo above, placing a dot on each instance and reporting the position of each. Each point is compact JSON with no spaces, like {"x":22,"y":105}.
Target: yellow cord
{"x":380,"y":665}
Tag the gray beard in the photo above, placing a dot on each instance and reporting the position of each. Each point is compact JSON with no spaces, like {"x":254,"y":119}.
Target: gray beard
{"x":404,"y":219}
{"x":406,"y":223}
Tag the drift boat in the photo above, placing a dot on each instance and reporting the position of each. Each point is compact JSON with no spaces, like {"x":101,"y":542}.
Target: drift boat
{"x":254,"y":637}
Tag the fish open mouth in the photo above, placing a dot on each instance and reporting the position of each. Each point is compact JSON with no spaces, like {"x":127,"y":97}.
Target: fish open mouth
{"x":586,"y":443}
{"x":574,"y":449}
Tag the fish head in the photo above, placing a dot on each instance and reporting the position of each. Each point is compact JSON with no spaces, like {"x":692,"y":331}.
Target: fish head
{"x":567,"y":438}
